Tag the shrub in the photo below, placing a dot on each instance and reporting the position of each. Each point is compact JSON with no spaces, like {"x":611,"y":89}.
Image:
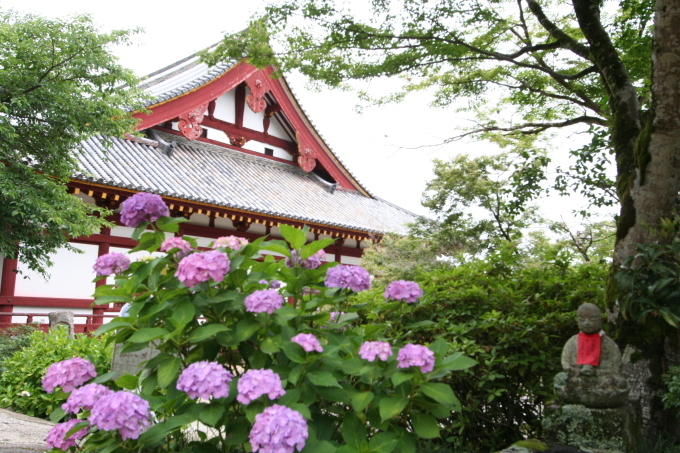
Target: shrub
{"x":222,"y":327}
{"x":14,"y":338}
{"x":510,"y":313}
{"x":21,"y":381}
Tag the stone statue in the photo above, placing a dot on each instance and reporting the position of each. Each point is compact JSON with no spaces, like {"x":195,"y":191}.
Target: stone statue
{"x":592,"y":365}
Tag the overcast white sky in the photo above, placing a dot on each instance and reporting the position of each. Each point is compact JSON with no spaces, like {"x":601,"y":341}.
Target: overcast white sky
{"x":374,"y":145}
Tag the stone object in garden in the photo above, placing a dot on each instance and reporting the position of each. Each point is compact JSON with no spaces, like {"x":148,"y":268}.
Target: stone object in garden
{"x":591,"y":412}
{"x":592,"y":364}
{"x":58,"y":319}
{"x":130,"y":362}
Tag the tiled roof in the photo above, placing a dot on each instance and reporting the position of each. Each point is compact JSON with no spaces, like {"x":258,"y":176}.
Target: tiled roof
{"x":206,"y":173}
{"x":180,"y":77}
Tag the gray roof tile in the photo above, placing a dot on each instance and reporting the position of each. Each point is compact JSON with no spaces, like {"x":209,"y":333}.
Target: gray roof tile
{"x":223,"y":177}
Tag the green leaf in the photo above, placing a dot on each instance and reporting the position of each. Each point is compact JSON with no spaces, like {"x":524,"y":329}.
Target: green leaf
{"x":113,"y":325}
{"x":295,"y":236}
{"x":293,"y":352}
{"x":170,"y":224}
{"x":319,"y":446}
{"x":280,"y":248}
{"x":440,"y":392}
{"x":310,"y":249}
{"x":183,"y":313}
{"x":391,"y":406}
{"x":424,"y":425}
{"x":147,"y":334}
{"x":211,"y":415}
{"x":269,"y":346}
{"x":168,"y":371}
{"x":354,"y":432}
{"x":400,"y":377}
{"x":361,"y":400}
{"x":246,"y":328}
{"x":323,"y":379}
{"x":383,"y":442}
{"x":457,"y":362}
{"x":206,"y":331}
{"x":127,"y":381}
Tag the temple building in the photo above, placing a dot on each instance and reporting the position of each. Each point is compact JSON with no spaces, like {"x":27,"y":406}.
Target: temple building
{"x":230,"y":149}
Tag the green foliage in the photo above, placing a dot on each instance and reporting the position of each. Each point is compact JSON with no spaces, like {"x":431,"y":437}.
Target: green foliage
{"x":512,"y":314}
{"x":482,"y":201}
{"x":13,"y":339}
{"x":649,"y":283}
{"x":351,"y":405}
{"x":21,"y":379}
{"x":59,"y":85}
{"x":402,"y":258}
{"x":519,"y":68}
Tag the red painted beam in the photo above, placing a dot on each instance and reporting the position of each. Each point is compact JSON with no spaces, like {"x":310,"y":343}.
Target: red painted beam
{"x":250,"y":134}
{"x":168,"y":110}
{"x":45,"y":302}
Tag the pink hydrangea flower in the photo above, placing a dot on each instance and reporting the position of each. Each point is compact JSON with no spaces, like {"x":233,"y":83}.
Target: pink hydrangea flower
{"x":255,"y":383}
{"x":403,"y":290}
{"x":84,"y":397}
{"x":355,"y":278}
{"x":372,"y":349}
{"x":264,"y":300}
{"x":143,"y":207}
{"x":124,"y":411}
{"x":111,"y":263}
{"x":205,"y":379}
{"x":312,"y":262}
{"x":308,"y":342}
{"x":68,"y":374}
{"x":201,"y":267}
{"x":178,"y":243}
{"x":416,"y":355}
{"x":278,"y":429}
{"x":55,"y":438}
{"x":230,"y":242}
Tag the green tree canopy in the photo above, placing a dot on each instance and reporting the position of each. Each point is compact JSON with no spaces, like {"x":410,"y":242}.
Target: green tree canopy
{"x":59,"y":84}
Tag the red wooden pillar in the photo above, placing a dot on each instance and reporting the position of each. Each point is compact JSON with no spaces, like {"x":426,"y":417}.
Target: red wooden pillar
{"x":104,"y":248}
{"x":8,"y":284}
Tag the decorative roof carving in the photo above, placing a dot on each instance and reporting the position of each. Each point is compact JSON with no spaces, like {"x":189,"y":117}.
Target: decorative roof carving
{"x":190,"y":122}
{"x":258,"y":87}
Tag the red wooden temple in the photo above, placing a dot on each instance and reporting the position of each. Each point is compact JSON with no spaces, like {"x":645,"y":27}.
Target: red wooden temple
{"x":230,"y":149}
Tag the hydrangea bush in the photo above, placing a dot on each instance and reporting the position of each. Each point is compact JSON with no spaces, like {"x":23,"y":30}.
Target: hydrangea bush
{"x":248,"y":349}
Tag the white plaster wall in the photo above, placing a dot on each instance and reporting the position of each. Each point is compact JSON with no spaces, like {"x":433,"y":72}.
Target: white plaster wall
{"x":47,"y":310}
{"x":259,"y":147}
{"x":350,"y":243}
{"x":350,"y":260}
{"x":252,"y":120}
{"x":199,"y":219}
{"x":217,"y":135}
{"x":70,"y":277}
{"x":276,"y":130}
{"x":224,"y":107}
{"x":257,"y":228}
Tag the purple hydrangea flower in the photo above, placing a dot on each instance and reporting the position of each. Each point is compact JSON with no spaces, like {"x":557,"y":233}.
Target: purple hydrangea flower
{"x":201,"y":267}
{"x":409,"y":292}
{"x":308,"y":342}
{"x":205,"y":379}
{"x":416,"y":355}
{"x":143,"y":206}
{"x":111,"y":263}
{"x":312,"y":262}
{"x":372,"y":349}
{"x":255,"y":383}
{"x":68,"y":374}
{"x":176,"y":243}
{"x":55,"y":438}
{"x":275,"y":284}
{"x":84,"y":397}
{"x":355,"y":278}
{"x":264,"y":300}
{"x":278,"y":429}
{"x":124,"y":411}
{"x":230,"y":242}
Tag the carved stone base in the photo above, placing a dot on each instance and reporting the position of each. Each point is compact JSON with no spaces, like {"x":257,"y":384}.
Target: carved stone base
{"x":131,"y":362}
{"x":596,"y":430}
{"x":62,"y":318}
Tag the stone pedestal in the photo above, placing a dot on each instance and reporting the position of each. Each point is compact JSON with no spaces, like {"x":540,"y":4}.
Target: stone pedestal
{"x":591,"y":429}
{"x":131,"y":362}
{"x":62,"y":318}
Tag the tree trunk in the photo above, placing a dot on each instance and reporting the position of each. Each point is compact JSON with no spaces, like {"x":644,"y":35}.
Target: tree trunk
{"x":651,"y":196}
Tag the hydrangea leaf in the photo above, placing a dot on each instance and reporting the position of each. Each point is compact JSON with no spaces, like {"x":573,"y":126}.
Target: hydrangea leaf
{"x":295,"y":237}
{"x":383,"y":442}
{"x":168,"y":371}
{"x":425,"y":426}
{"x":391,"y":406}
{"x":441,"y":393}
{"x":323,"y":379}
{"x":206,"y":331}
{"x":361,"y":399}
{"x":127,"y":381}
{"x":211,"y":414}
{"x":147,"y":334}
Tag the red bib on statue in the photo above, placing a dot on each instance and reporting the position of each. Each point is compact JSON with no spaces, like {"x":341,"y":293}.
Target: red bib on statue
{"x":589,"y":347}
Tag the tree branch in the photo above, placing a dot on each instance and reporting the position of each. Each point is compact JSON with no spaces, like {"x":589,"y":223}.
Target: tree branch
{"x":567,"y":41}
